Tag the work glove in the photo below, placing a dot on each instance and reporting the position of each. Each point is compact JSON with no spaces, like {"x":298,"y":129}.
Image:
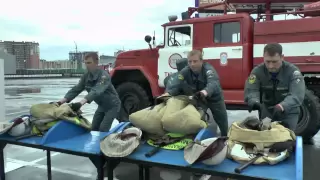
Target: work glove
{"x":199,"y":96}
{"x":282,"y":146}
{"x":255,"y":106}
{"x":162,"y":98}
{"x":75,"y":106}
{"x":56,"y":103}
{"x":277,"y":112}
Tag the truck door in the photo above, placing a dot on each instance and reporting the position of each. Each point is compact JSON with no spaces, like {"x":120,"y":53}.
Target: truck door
{"x":178,"y":43}
{"x":225,"y":51}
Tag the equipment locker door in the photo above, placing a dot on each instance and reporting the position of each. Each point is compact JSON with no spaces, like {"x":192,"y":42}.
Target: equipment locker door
{"x":178,"y":43}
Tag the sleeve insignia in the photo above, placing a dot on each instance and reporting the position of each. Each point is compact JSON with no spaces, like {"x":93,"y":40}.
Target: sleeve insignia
{"x":252,"y":79}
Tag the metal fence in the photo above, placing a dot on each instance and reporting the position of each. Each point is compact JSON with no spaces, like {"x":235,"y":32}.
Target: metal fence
{"x":48,"y":71}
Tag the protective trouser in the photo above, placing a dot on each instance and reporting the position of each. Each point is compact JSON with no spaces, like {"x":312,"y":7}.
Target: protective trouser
{"x":102,"y":121}
{"x":289,"y":119}
{"x":219,"y":113}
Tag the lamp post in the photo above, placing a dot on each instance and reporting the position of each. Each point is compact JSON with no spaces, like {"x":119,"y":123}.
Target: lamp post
{"x":76,"y":55}
{"x":2,"y":99}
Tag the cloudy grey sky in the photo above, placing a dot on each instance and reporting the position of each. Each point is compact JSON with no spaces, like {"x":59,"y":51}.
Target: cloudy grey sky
{"x":102,"y":25}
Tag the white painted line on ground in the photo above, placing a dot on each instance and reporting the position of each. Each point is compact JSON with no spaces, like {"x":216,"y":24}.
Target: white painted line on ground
{"x":40,"y":166}
{"x":43,"y":158}
{"x":11,"y":166}
{"x":19,"y":112}
{"x":25,"y":163}
{"x":23,"y":112}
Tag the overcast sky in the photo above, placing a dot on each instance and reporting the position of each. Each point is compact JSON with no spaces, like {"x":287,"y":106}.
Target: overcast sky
{"x":102,"y":25}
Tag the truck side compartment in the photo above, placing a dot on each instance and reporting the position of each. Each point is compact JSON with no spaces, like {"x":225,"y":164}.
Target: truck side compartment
{"x":300,"y":39}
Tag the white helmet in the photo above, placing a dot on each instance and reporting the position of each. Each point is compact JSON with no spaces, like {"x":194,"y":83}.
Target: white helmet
{"x":21,"y":129}
{"x":219,"y":157}
{"x":211,"y":151}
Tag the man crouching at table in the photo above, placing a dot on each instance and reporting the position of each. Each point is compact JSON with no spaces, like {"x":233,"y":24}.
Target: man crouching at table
{"x":201,"y":78}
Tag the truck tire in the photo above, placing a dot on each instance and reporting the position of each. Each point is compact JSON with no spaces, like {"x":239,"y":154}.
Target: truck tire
{"x":133,"y":98}
{"x":309,"y":120}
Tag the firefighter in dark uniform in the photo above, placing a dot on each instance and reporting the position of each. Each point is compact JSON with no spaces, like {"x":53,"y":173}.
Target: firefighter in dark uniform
{"x":280,"y":85}
{"x":202,"y":78}
{"x":97,"y":83}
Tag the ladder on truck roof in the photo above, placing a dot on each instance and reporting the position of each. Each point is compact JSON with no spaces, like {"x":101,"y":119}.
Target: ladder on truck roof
{"x":264,"y":9}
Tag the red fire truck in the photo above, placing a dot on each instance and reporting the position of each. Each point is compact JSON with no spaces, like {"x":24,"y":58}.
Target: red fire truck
{"x":107,"y":67}
{"x":233,"y":43}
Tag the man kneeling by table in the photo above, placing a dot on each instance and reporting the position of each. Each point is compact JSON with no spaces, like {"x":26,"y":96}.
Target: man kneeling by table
{"x":201,"y":78}
{"x":276,"y":88}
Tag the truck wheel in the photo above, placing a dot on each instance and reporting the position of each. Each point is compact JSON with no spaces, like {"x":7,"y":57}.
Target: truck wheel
{"x":309,"y":120}
{"x":133,"y":98}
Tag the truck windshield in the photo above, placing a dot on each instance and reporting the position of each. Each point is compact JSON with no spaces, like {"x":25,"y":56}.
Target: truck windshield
{"x":179,"y":36}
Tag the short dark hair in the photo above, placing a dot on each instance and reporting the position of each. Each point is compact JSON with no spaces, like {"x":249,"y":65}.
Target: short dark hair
{"x":273,"y":49}
{"x":92,"y":55}
{"x":196,"y":52}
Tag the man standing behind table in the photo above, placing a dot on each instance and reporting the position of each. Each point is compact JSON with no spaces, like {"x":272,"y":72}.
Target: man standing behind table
{"x":97,"y":83}
{"x":280,"y":85}
{"x":200,"y":77}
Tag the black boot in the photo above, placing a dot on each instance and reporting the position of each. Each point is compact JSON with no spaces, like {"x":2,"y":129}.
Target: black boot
{"x":98,"y":177}
{"x":308,"y":141}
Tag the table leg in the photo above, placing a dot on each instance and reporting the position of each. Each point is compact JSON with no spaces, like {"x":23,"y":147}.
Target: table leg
{"x":2,"y":168}
{"x":100,"y":169}
{"x":146,"y":173}
{"x":111,"y":165}
{"x":141,"y":172}
{"x":49,"y":174}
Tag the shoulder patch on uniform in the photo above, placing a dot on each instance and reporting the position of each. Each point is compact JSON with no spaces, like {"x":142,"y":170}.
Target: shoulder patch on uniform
{"x":209,"y":72}
{"x":180,"y":77}
{"x":103,"y":79}
{"x":297,"y":76}
{"x":297,"y":73}
{"x":252,"y":79}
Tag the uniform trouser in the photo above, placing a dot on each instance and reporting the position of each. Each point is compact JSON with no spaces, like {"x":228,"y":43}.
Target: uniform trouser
{"x":289,"y":119}
{"x":219,"y":113}
{"x":102,"y":121}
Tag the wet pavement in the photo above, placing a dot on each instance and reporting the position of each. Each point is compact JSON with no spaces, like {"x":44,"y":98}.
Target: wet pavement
{"x":28,"y":163}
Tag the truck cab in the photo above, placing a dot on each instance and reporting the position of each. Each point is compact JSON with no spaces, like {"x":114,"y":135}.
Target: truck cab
{"x":226,"y":43}
{"x":233,"y":45}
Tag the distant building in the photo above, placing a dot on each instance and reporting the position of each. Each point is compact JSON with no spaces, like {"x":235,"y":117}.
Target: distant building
{"x":105,"y":60}
{"x":27,"y":53}
{"x":9,"y":62}
{"x":61,"y":64}
{"x":79,"y":56}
